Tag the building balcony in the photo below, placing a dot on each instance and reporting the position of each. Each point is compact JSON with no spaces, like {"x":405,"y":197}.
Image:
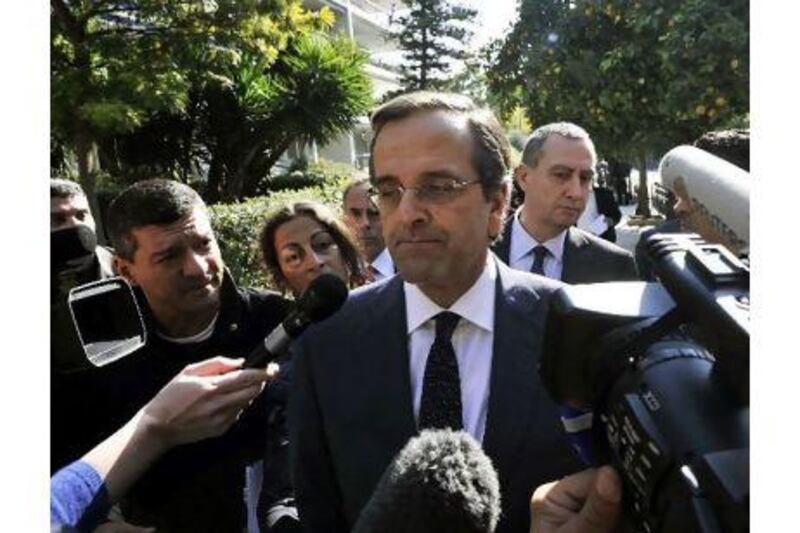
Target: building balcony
{"x":367,"y":21}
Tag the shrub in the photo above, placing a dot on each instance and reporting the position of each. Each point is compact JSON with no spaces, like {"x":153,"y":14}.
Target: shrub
{"x":301,"y":176}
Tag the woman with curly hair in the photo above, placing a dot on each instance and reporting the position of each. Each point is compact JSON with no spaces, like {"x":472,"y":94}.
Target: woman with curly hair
{"x":301,"y":240}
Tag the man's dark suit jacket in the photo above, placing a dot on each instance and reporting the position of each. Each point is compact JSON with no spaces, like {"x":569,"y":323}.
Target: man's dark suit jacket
{"x":351,"y":408}
{"x":587,"y":259}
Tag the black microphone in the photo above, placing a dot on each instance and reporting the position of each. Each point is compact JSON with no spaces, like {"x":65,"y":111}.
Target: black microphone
{"x":323,"y":297}
{"x":441,"y":482}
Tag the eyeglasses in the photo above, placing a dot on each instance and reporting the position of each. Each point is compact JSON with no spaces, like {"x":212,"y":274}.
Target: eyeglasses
{"x":387,"y":195}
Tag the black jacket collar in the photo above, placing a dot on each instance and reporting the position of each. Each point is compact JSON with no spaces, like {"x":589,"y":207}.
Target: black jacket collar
{"x":231,"y":309}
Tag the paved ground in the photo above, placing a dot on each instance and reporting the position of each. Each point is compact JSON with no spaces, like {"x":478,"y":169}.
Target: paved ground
{"x":628,"y":236}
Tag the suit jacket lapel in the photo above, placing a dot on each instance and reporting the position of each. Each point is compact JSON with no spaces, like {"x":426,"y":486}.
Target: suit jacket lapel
{"x":386,"y":357}
{"x":513,"y":380}
{"x":575,"y":256}
{"x":503,"y":247}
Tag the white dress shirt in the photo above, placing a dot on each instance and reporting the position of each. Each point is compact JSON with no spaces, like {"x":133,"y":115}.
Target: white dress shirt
{"x":472,"y":342}
{"x":520,"y":254}
{"x":383,"y":266}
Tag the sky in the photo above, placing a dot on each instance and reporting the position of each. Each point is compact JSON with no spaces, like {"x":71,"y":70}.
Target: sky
{"x":494,"y":18}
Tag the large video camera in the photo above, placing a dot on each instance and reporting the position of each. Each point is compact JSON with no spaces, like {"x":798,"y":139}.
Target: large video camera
{"x":665,"y":370}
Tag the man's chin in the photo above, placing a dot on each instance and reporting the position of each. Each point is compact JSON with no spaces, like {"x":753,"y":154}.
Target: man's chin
{"x":413,"y":270}
{"x":567,"y":222}
{"x":207,"y":294}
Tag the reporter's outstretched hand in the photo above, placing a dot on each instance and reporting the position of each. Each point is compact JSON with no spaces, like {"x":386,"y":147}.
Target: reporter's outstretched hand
{"x":586,"y":502}
{"x":204,"y":400}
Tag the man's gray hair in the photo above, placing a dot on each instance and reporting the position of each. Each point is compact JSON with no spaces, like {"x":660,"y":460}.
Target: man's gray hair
{"x":492,"y":152}
{"x":568,"y":130}
{"x":65,"y":189}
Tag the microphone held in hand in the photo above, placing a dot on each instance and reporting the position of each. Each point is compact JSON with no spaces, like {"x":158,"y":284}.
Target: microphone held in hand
{"x":440,"y":482}
{"x":323,"y":297}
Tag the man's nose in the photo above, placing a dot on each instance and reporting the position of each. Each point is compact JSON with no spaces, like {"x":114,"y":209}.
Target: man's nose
{"x":70,"y":221}
{"x":195,"y":265}
{"x":410,"y":209}
{"x":575,"y":188}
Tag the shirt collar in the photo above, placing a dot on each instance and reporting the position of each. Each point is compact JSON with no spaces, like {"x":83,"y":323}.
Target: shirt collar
{"x":476,"y":305}
{"x":522,"y":243}
{"x":384,"y":264}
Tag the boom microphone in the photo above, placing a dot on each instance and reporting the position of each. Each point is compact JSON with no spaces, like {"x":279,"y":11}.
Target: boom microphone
{"x":323,"y":297}
{"x":441,"y":482}
{"x":719,"y":190}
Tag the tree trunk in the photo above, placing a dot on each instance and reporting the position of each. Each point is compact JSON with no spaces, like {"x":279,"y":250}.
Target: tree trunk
{"x":88,"y":166}
{"x":643,"y":196}
{"x":264,"y":163}
{"x":85,"y":145}
{"x":214,"y":181}
{"x":237,"y":181}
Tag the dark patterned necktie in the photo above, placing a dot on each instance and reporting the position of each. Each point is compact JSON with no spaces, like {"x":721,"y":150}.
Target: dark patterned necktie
{"x":539,"y":253}
{"x":441,"y":387}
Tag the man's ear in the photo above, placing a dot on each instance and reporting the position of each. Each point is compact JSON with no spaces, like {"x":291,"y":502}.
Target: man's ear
{"x":520,"y":175}
{"x":499,"y":208}
{"x":124,"y":268}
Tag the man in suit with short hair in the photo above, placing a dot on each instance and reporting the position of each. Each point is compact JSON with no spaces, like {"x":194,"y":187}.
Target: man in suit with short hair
{"x":452,"y":341}
{"x":362,"y":217}
{"x":556,"y":176}
{"x":601,"y":215}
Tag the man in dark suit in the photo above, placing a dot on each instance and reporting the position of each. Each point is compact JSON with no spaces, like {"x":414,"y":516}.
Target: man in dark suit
{"x":601,"y":215}
{"x":556,"y":175}
{"x":453,"y":341}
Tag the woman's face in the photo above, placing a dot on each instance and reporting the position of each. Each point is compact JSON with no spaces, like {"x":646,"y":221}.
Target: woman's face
{"x":305,"y":249}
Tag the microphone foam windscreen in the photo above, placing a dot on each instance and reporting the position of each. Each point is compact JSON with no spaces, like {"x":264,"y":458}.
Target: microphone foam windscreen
{"x":441,"y":481}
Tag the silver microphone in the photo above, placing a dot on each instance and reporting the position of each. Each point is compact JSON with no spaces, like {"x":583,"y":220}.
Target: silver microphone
{"x":719,"y":191}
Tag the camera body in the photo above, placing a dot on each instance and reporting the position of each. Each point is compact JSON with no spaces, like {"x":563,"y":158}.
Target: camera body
{"x":664,"y":367}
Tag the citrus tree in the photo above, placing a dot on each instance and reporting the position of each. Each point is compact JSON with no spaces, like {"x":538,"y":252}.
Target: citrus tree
{"x":640,"y":75}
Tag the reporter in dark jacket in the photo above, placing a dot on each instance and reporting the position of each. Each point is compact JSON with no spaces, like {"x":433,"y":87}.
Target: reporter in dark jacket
{"x":165,"y":246}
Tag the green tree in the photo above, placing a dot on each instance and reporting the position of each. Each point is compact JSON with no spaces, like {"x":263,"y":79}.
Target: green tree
{"x":432,"y":34}
{"x":238,"y":124}
{"x":115,"y":62}
{"x":640,"y":75}
{"x":316,"y":90}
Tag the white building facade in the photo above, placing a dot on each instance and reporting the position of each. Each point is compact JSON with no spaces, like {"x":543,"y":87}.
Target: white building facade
{"x":366,"y":22}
